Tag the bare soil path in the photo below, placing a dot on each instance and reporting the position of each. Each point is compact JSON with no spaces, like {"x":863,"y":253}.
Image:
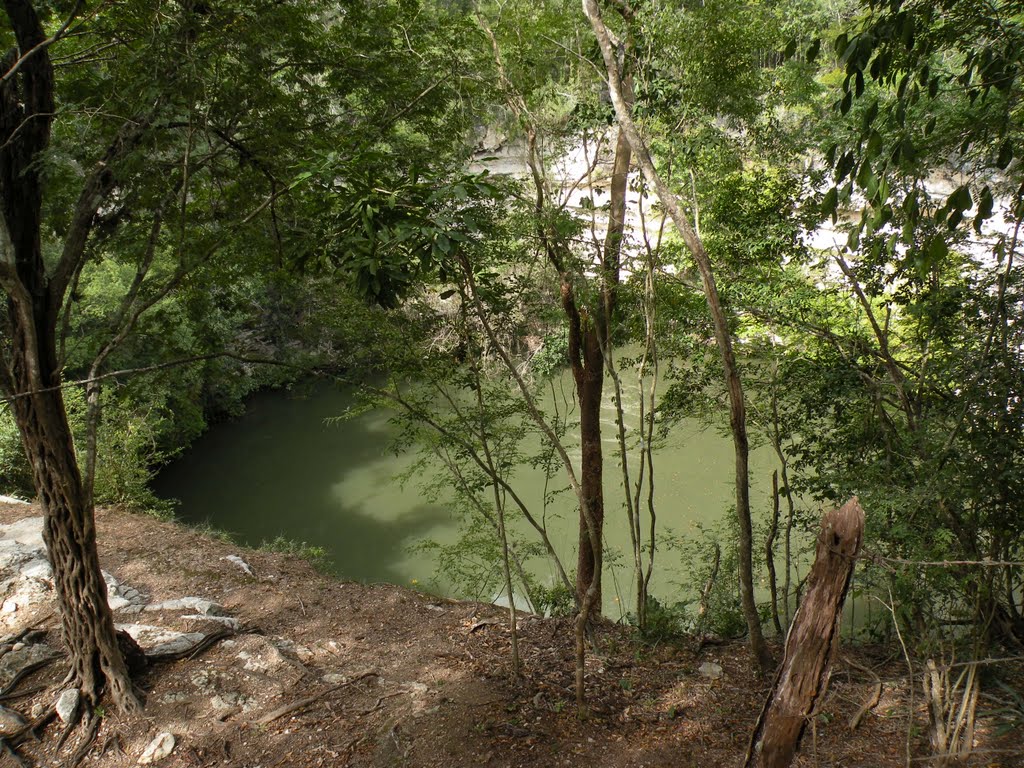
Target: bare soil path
{"x":331,"y":673}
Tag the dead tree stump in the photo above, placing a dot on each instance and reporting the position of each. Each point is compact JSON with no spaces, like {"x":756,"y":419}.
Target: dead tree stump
{"x":811,"y":644}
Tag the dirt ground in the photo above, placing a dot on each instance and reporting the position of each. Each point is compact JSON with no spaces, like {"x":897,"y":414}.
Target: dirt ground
{"x":330,"y":673}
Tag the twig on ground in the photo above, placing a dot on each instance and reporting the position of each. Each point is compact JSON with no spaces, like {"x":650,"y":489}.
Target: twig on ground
{"x":872,"y":700}
{"x":380,"y":700}
{"x":302,"y":703}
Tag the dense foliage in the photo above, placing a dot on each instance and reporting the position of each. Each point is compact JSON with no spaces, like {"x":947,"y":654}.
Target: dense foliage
{"x":296,"y":189}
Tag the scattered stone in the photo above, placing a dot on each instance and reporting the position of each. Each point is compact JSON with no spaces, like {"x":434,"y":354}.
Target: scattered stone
{"x":710,"y":670}
{"x":264,"y":658}
{"x":67,"y":705}
{"x":175,"y":697}
{"x":333,"y":678}
{"x":17,"y":646}
{"x":228,"y":621}
{"x":9,"y":606}
{"x":241,"y":564}
{"x":11,"y":500}
{"x":229,"y":700}
{"x":158,"y":749}
{"x":198,"y":605}
{"x":10,"y":721}
{"x":113,"y":585}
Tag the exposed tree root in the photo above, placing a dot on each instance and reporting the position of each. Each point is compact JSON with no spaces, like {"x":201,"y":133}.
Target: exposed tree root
{"x":295,"y":706}
{"x":872,"y":700}
{"x":92,"y":727}
{"x":190,"y":653}
{"x":6,"y":691}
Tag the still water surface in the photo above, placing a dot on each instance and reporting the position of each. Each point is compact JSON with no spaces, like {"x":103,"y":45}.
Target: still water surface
{"x":289,"y":468}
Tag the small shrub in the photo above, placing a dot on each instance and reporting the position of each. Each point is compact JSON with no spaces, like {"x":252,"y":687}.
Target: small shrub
{"x":282,"y":545}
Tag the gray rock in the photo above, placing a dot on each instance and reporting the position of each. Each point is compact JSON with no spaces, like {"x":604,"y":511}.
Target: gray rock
{"x":160,"y":640}
{"x":241,"y":564}
{"x":158,"y":749}
{"x":198,"y":605}
{"x":710,"y":670}
{"x":67,"y":704}
{"x":118,"y":603}
{"x":228,"y":621}
{"x":38,"y":569}
{"x":18,"y":658}
{"x":28,"y":532}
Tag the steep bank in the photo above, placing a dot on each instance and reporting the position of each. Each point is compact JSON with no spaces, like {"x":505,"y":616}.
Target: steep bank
{"x":386,"y":676}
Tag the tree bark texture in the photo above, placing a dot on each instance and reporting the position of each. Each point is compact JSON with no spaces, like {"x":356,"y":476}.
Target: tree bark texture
{"x":589,"y":377}
{"x":723,"y":338}
{"x":596,"y":343}
{"x":812,"y":642}
{"x":31,"y":375}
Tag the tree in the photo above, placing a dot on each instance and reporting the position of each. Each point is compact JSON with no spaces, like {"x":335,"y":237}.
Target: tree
{"x":191,"y":123}
{"x":737,"y":408}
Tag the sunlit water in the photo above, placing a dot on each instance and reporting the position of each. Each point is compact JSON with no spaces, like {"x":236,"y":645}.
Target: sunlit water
{"x":290,"y":468}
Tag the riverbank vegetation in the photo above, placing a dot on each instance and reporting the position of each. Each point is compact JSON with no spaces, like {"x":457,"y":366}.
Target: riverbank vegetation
{"x":796,"y":222}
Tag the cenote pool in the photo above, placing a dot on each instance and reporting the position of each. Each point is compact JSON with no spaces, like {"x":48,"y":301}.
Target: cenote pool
{"x":289,"y":467}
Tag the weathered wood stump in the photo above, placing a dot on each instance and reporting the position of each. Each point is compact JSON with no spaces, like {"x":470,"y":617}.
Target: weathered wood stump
{"x":813,"y":638}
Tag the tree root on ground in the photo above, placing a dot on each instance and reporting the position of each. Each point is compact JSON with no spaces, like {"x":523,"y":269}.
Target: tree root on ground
{"x":204,"y":644}
{"x":295,"y":706}
{"x":85,"y":716}
{"x":7,"y":691}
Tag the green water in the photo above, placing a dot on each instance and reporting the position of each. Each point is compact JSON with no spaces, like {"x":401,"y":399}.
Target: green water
{"x":289,"y":468}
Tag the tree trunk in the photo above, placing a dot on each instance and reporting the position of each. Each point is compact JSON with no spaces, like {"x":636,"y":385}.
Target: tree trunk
{"x":70,"y":535}
{"x":769,"y":553}
{"x":812,"y":642}
{"x":32,"y":374}
{"x":589,"y":388}
{"x":723,"y":338}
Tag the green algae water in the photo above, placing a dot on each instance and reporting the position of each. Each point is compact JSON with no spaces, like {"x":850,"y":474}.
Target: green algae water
{"x":289,"y":467}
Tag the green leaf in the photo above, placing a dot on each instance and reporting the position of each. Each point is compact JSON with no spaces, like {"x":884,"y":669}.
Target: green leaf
{"x":961,"y":198}
{"x":853,"y":240}
{"x":830,"y":203}
{"x":1005,"y":155}
{"x":812,"y":50}
{"x":869,"y":115}
{"x":874,"y":147}
{"x":842,"y":41}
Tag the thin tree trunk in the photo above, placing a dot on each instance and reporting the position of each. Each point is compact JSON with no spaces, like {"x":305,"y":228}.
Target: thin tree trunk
{"x":737,"y":407}
{"x":769,"y":552}
{"x":589,"y":375}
